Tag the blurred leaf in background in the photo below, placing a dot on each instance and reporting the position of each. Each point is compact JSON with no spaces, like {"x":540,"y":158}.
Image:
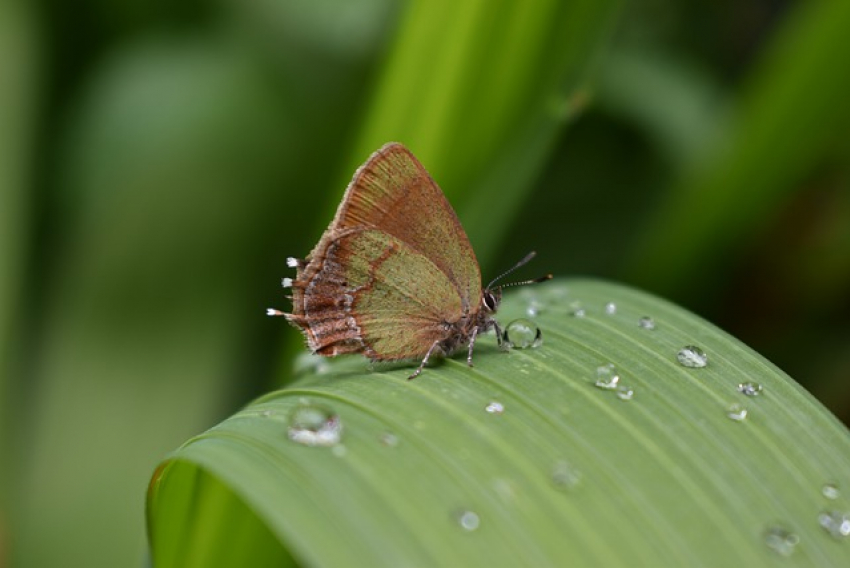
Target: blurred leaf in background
{"x":159,"y":161}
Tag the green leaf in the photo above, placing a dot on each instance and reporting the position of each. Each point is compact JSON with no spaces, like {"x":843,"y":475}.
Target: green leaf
{"x":567,"y":473}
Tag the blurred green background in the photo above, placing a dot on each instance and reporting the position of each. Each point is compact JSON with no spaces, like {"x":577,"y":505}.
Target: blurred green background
{"x":159,"y":161}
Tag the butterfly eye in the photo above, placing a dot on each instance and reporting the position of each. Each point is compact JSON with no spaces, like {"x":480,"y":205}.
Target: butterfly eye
{"x":490,"y":301}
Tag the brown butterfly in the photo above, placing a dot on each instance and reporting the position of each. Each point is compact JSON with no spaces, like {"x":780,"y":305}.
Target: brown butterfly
{"x":394,"y":276}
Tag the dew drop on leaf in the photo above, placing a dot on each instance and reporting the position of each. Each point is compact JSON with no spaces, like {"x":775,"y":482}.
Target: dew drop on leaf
{"x":522,"y":334}
{"x":836,"y":523}
{"x":750,"y":389}
{"x":781,"y":540}
{"x":830,"y":491}
{"x":389,"y":439}
{"x":692,"y":356}
{"x":736,"y":412}
{"x":468,"y":520}
{"x":607,"y":377}
{"x":314,"y":425}
{"x":625,"y":393}
{"x":564,"y":476}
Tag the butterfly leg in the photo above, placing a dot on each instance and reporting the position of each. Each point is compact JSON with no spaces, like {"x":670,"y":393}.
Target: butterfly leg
{"x":424,"y":361}
{"x":498,"y":329}
{"x":471,"y":345}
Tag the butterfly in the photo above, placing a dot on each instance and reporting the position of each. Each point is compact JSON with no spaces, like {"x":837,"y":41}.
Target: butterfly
{"x":394,"y":276}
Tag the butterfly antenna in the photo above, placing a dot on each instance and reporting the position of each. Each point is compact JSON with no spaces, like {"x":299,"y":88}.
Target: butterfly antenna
{"x":522,"y":262}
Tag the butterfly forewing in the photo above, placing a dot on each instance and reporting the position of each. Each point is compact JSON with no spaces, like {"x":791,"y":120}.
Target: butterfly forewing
{"x":393,"y":191}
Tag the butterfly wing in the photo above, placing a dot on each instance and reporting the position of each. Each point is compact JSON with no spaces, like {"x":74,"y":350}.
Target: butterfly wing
{"x":367,"y":291}
{"x":393,"y":192}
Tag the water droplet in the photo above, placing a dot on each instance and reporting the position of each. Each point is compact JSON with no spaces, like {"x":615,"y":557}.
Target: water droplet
{"x":646,"y":322}
{"x":339,"y":450}
{"x":468,"y":520}
{"x":266,"y":413}
{"x":692,"y":356}
{"x":736,"y":412}
{"x":313,"y":425}
{"x":607,"y":377}
{"x":533,"y":308}
{"x":836,"y":523}
{"x":610,"y":308}
{"x":495,"y":407}
{"x":781,"y":540}
{"x":749,"y":389}
{"x":576,"y":310}
{"x":565,"y":476}
{"x":522,"y":334}
{"x":307,"y":362}
{"x":830,"y":491}
{"x":389,"y":439}
{"x":625,"y":393}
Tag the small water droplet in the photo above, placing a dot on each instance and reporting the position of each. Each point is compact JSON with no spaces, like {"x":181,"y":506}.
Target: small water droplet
{"x":495,"y":407}
{"x":692,"y":356}
{"x":781,"y":540}
{"x":736,"y":412}
{"x":565,"y":476}
{"x":749,"y":389}
{"x":522,"y":334}
{"x":266,"y":413}
{"x":389,"y":439}
{"x":577,"y":310}
{"x":313,"y":425}
{"x":830,"y":491}
{"x":468,"y":520}
{"x":836,"y":523}
{"x":607,"y":377}
{"x":610,"y":308}
{"x":339,"y":450}
{"x":625,"y":393}
{"x":307,"y":362}
{"x":646,"y":322}
{"x":533,"y":308}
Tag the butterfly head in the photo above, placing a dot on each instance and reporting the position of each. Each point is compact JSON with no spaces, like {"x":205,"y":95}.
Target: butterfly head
{"x":491,"y":297}
{"x":490,"y":300}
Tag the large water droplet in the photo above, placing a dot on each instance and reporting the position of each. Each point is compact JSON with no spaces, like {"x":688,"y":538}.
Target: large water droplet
{"x":565,"y":476}
{"x":836,"y":523}
{"x":522,"y":334}
{"x":625,"y":393}
{"x":736,"y":412}
{"x":750,"y":389}
{"x":468,"y":520}
{"x":610,"y":308}
{"x":830,"y":491}
{"x":607,"y":377}
{"x":495,"y":407}
{"x":781,"y":540}
{"x":646,"y":322}
{"x":692,"y":356}
{"x":313,"y":425}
